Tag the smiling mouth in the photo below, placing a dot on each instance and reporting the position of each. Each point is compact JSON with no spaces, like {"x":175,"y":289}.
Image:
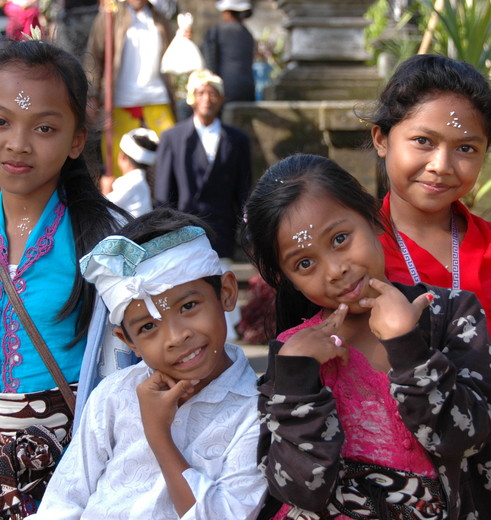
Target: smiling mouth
{"x":353,"y":291}
{"x":189,"y":357}
{"x":13,"y":167}
{"x":435,"y":187}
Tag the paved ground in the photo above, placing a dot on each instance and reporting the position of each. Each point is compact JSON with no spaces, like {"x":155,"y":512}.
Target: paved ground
{"x":257,"y":355}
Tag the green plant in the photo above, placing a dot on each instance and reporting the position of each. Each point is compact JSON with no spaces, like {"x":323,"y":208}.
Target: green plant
{"x":467,"y":25}
{"x":399,"y":40}
{"x":377,"y":16}
{"x":270,"y":49}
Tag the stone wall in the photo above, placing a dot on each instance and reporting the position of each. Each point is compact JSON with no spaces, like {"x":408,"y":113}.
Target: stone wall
{"x":328,"y":128}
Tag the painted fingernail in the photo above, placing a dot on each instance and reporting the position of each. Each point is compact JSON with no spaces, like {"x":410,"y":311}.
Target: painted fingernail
{"x":337,"y":340}
{"x":342,"y":306}
{"x":430,"y":297}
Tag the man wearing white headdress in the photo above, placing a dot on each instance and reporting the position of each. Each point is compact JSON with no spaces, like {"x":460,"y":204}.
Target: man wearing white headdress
{"x":175,"y":436}
{"x":203,"y":167}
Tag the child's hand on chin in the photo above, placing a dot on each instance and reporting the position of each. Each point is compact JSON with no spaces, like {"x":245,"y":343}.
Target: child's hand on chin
{"x":392,"y":314}
{"x":320,"y":341}
{"x":159,"y":397}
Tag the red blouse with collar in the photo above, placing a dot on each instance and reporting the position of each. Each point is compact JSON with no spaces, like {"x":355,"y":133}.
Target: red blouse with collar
{"x":474,"y":255}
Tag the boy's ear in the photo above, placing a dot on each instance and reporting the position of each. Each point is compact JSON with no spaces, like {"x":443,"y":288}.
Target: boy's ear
{"x":229,"y":292}
{"x":119,"y":333}
{"x":379,"y":141}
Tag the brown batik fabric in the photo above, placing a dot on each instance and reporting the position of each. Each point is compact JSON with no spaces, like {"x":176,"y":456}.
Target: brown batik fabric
{"x":29,"y":454}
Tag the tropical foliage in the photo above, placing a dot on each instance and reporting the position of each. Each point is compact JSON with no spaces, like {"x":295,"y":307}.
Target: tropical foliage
{"x":463,"y":31}
{"x":468,"y":31}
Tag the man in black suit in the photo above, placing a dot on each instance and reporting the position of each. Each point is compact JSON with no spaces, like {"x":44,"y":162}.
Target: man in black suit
{"x":203,"y":166}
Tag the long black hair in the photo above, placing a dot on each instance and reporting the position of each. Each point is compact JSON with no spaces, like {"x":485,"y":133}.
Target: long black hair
{"x":280,"y":186}
{"x":92,"y":216}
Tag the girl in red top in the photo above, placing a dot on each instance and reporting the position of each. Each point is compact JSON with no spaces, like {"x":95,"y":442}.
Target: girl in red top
{"x":432,"y":128}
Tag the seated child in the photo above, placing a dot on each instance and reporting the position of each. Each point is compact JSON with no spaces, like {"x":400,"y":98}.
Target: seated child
{"x":131,"y":191}
{"x":174,"y":436}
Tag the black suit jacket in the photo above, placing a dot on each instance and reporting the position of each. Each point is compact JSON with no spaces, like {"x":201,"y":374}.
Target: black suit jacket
{"x":216,"y":192}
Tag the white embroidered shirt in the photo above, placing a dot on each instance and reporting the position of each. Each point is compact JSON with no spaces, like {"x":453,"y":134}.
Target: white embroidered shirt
{"x":110,"y":472}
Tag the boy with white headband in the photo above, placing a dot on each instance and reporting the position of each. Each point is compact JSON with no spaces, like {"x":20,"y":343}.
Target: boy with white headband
{"x":174,"y":436}
{"x":137,"y":155}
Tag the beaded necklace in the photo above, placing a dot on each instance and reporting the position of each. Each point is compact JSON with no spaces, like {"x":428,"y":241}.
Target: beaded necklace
{"x":455,"y":255}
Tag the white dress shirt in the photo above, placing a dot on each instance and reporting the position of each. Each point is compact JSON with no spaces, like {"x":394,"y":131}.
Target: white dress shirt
{"x":139,"y":82}
{"x":110,"y":472}
{"x":132,"y":193}
{"x":209,"y":136}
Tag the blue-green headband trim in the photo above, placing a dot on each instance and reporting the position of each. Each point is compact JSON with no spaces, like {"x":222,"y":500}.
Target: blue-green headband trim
{"x":133,"y":253}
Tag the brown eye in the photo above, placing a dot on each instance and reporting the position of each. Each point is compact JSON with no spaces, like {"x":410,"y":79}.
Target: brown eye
{"x":147,"y":327}
{"x":304,"y":264}
{"x":339,"y":239}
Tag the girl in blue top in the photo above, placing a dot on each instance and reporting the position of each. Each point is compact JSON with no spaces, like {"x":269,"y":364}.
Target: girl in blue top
{"x":51,"y":214}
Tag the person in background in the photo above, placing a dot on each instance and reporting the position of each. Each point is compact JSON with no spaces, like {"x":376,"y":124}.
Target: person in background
{"x":228,"y":48}
{"x":72,"y":22}
{"x":203,"y":167}
{"x":137,"y":154}
{"x":141,"y":94}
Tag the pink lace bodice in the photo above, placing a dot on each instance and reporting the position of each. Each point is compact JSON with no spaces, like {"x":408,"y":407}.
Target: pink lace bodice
{"x":373,"y":428}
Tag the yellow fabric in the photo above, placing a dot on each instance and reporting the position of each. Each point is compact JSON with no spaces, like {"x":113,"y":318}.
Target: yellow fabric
{"x":155,"y":117}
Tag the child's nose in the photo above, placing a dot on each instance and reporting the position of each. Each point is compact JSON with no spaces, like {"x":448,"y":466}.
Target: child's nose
{"x":176,"y":334}
{"x":17,"y":142}
{"x":335,"y":269}
{"x":440,"y":162}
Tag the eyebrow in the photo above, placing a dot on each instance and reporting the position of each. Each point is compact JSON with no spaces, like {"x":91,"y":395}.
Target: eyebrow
{"x":46,"y":113}
{"x":186,"y":295}
{"x":465,"y":137}
{"x":148,"y":316}
{"x":325,"y":231}
{"x":141,"y":317}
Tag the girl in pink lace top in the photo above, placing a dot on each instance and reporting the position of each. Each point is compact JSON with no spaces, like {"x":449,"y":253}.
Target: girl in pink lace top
{"x":375,"y":402}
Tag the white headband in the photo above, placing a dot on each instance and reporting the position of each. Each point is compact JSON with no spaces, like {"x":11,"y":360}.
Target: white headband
{"x":123,"y":271}
{"x":139,"y":154}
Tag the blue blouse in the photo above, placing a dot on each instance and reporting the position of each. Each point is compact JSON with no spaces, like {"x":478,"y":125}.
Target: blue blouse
{"x":44,"y":280}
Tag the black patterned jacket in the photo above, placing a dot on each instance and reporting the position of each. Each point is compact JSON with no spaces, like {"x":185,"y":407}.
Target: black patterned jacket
{"x":451,"y":345}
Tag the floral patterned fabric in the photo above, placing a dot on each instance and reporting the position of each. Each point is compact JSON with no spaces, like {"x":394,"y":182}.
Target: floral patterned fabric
{"x":441,"y":382}
{"x":28,"y":455}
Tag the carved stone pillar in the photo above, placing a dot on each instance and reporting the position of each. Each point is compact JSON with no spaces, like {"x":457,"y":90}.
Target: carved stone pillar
{"x":325,"y":52}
